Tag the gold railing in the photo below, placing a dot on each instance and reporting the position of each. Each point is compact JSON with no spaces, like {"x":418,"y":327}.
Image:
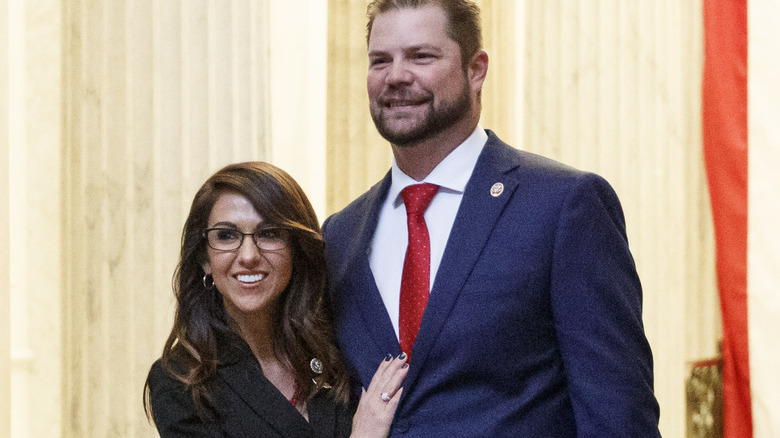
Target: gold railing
{"x":704,"y":399}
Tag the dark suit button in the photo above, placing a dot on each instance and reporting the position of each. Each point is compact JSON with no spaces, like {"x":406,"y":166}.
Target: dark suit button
{"x":402,"y":426}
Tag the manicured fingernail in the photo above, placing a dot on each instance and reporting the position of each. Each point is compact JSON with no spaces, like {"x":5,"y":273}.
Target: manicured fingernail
{"x":388,"y":357}
{"x":406,"y":365}
{"x":402,"y":356}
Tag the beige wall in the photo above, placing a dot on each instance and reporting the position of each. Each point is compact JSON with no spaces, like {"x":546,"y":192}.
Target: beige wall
{"x":117,"y":110}
{"x":5,"y":281}
{"x":34,"y":99}
{"x":297,"y":91}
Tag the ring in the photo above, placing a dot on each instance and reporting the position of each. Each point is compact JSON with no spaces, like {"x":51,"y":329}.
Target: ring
{"x":385,"y":397}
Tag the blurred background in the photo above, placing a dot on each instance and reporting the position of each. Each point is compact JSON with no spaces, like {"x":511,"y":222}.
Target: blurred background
{"x":115,"y":111}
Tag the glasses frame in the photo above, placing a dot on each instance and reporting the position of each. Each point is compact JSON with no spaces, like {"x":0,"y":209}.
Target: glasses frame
{"x":254,"y":235}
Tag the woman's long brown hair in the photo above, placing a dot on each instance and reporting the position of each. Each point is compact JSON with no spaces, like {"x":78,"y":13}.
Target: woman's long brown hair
{"x":304,"y":329}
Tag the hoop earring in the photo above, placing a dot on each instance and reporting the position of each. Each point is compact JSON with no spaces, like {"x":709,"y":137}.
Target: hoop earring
{"x":208,"y":279}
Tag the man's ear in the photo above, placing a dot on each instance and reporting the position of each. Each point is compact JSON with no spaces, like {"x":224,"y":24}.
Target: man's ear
{"x":477,"y":70}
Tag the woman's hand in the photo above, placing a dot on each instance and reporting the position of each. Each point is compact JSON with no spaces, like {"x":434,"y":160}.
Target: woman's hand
{"x":378,"y":403}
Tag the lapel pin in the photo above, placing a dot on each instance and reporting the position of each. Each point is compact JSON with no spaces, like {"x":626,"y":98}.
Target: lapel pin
{"x":497,"y":190}
{"x":316,"y":365}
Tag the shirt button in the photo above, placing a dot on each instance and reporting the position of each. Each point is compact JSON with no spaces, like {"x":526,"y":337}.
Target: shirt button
{"x":402,"y":426}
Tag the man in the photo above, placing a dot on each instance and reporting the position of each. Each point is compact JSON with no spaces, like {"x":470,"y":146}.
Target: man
{"x":516,"y":297}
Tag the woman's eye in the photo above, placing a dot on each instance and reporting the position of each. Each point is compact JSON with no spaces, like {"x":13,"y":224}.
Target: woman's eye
{"x":225,"y":235}
{"x":269,"y":233}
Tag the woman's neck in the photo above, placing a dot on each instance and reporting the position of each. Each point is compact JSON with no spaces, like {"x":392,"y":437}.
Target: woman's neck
{"x":258,"y":332}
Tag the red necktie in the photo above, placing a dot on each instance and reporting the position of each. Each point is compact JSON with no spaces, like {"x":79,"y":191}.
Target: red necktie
{"x":417,"y":264}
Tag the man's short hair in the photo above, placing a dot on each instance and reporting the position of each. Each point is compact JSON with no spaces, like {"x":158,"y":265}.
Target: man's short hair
{"x":463,"y":21}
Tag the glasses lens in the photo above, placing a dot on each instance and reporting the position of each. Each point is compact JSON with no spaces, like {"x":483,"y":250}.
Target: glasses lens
{"x":223,"y":239}
{"x":272,"y":239}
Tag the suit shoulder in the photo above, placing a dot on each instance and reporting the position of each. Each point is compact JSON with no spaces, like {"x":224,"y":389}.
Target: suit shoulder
{"x":533,"y":167}
{"x":162,"y":382}
{"x":541,"y":177}
{"x":500,"y":155}
{"x":349,"y":216}
{"x":166,"y":374}
{"x":547,"y":169}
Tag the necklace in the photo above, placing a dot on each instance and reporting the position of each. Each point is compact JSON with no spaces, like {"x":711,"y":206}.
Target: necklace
{"x":294,"y":400}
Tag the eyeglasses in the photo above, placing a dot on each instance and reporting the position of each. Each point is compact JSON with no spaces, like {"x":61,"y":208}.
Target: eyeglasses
{"x":228,"y":239}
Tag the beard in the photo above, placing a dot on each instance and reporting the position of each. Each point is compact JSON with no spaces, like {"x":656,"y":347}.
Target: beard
{"x":434,"y":120}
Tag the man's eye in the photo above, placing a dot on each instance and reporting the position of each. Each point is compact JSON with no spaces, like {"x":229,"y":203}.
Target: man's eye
{"x":424,"y":56}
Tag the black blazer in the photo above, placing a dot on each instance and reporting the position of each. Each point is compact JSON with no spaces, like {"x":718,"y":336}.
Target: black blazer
{"x":247,"y":404}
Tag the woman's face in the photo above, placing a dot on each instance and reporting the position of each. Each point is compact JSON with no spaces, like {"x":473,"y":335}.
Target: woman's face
{"x":249,"y":279}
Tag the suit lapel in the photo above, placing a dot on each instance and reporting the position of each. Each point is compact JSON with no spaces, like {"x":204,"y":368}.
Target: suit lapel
{"x":365,"y":296}
{"x":474,"y":222}
{"x":322,"y":416}
{"x":242,"y":374}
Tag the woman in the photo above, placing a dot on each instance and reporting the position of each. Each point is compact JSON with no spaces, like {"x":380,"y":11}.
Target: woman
{"x":252,"y":349}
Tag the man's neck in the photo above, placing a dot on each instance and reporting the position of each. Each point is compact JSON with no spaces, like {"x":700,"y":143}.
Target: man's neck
{"x":419,"y":160}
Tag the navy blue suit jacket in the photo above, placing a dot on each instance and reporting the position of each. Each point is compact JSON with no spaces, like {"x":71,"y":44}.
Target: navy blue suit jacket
{"x":533,"y":327}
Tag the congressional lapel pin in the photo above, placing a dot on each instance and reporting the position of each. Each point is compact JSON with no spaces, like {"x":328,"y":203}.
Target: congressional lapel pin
{"x":316,"y":365}
{"x":497,"y":190}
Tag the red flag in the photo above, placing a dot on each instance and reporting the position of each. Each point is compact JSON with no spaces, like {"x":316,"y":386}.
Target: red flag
{"x":725,"y":134}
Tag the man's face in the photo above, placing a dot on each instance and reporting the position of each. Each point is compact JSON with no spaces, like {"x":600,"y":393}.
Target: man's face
{"x":416,"y":84}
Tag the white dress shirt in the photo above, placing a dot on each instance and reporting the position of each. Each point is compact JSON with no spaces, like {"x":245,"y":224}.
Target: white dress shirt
{"x":388,"y":246}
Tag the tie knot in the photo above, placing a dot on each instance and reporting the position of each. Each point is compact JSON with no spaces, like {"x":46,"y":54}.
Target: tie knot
{"x":418,"y":196}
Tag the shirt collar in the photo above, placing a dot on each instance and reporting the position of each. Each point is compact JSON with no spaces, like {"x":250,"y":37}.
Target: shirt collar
{"x":451,"y":174}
